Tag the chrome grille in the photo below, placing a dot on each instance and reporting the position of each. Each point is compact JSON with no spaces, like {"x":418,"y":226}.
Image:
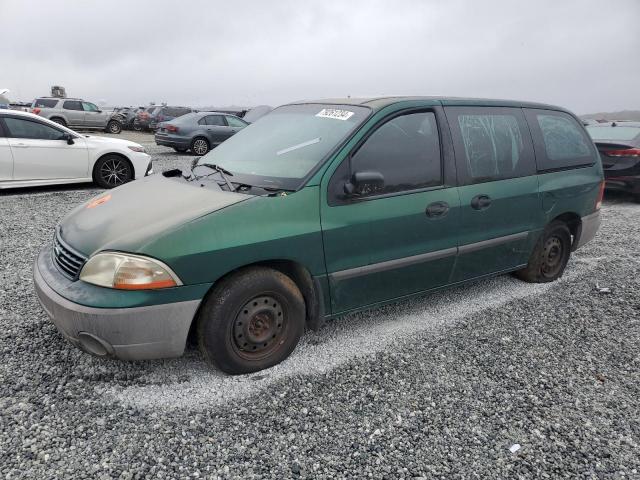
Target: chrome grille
{"x":68,"y":261}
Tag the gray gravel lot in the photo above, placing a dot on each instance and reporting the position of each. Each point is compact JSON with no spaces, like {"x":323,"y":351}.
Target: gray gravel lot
{"x":438,"y":387}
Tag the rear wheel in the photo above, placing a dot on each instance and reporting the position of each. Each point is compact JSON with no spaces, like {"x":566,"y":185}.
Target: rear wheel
{"x":200,"y":146}
{"x":114,"y":126}
{"x":251,"y":321}
{"x":550,"y":255}
{"x":59,"y":121}
{"x":111,"y":171}
{"x":137,"y":126}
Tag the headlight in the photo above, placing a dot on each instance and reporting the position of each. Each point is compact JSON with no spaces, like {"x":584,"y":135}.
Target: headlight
{"x":128,"y":272}
{"x":137,"y":148}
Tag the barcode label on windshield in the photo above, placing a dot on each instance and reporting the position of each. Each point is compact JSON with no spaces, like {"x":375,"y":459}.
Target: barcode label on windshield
{"x":334,"y":113}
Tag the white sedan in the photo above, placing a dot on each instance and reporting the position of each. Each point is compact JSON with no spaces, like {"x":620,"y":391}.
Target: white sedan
{"x":36,"y":151}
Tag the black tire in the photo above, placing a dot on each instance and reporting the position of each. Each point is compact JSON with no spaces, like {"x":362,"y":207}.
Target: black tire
{"x":136,"y":126}
{"x":59,"y":121}
{"x":114,"y":127}
{"x":550,"y":255}
{"x":111,"y":171}
{"x":180,"y":149}
{"x":200,"y":146}
{"x":251,"y":321}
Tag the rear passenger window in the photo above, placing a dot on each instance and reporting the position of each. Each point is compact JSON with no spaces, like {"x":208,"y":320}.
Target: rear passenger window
{"x":491,"y":143}
{"x":215,"y":120}
{"x":45,"y":103}
{"x":72,"y":105}
{"x":559,"y":140}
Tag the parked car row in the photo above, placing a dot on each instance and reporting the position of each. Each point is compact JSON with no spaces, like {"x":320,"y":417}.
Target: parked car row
{"x":149,"y":118}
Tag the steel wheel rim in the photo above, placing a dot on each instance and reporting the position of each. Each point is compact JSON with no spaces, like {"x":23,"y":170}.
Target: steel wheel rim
{"x":200,"y":147}
{"x":114,"y":172}
{"x":260,"y":327}
{"x":553,"y":255}
{"x":113,"y":128}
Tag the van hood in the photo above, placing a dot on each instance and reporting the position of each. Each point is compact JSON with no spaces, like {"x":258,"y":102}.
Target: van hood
{"x":132,"y":215}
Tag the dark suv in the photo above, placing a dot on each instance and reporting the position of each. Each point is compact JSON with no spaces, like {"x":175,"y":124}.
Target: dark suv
{"x":150,"y":118}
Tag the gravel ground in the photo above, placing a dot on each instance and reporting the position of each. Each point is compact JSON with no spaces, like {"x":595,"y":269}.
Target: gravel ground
{"x":445,"y":386}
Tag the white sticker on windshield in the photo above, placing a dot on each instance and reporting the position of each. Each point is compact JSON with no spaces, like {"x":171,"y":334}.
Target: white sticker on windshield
{"x":334,"y":113}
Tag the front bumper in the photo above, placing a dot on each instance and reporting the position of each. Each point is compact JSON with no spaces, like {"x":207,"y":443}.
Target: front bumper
{"x":589,"y":227}
{"x":138,"y":333}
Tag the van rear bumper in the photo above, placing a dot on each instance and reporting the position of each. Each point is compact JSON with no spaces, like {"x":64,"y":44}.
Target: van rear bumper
{"x":589,"y":227}
{"x":137,"y":333}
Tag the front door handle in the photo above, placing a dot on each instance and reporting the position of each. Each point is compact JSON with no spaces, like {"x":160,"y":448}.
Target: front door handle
{"x":480,"y":202}
{"x":437,"y":209}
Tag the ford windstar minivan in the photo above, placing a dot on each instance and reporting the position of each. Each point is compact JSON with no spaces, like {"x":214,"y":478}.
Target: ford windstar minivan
{"x":319,"y":209}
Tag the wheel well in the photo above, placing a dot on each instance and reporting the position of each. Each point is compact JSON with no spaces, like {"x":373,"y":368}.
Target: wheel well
{"x":202,"y":137}
{"x":58,"y":117}
{"x":113,"y":154}
{"x":311,"y":291}
{"x":574,"y":222}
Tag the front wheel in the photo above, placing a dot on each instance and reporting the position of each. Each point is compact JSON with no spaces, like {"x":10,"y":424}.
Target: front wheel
{"x":251,"y":321}
{"x":114,"y":127}
{"x":111,"y":171}
{"x":550,"y":255}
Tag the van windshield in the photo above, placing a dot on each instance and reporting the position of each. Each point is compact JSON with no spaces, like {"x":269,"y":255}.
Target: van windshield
{"x":282,"y":148}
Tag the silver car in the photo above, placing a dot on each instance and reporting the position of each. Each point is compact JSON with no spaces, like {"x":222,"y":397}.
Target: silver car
{"x":76,"y":113}
{"x":198,"y":132}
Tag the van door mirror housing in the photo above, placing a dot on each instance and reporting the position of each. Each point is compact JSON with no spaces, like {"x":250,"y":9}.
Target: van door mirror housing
{"x":364,"y":183}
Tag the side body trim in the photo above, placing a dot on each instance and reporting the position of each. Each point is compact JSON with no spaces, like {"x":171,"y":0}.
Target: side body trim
{"x":424,"y":257}
{"x":492,"y":242}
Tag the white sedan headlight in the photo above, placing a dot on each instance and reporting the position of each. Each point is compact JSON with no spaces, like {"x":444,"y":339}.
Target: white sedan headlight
{"x":125,"y":271}
{"x":137,"y":148}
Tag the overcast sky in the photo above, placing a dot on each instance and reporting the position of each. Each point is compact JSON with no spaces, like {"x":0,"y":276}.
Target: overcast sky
{"x":580,"y":54}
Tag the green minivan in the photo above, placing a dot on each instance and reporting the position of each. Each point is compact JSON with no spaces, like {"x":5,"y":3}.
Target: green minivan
{"x":319,"y":209}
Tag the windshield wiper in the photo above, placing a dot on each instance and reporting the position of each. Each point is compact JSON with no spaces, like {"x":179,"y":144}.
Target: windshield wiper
{"x":223,"y":173}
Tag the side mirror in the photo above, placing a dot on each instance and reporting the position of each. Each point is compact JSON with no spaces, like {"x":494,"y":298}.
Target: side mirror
{"x":364,"y":183}
{"x":68,"y":137}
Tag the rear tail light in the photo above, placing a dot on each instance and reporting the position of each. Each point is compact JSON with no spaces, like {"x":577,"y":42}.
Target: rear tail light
{"x":600,"y":195}
{"x":171,"y":128}
{"x":36,"y":111}
{"x":627,"y":152}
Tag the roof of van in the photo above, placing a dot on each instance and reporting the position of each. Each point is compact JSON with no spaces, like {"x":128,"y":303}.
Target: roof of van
{"x":380,"y":102}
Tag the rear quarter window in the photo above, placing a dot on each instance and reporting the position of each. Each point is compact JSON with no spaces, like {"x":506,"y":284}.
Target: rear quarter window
{"x":44,"y":103}
{"x":559,"y":140}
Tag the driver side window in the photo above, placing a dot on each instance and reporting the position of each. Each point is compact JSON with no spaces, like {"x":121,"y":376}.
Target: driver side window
{"x":405,"y":150}
{"x":19,"y":128}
